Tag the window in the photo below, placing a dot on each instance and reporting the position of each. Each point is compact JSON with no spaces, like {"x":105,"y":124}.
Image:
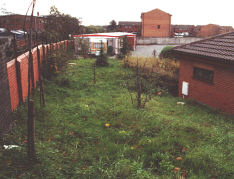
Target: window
{"x":158,"y":26}
{"x":98,"y":45}
{"x":203,"y":74}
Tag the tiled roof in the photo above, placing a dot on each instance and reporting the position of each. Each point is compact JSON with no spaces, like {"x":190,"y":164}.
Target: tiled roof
{"x":129,"y":23}
{"x":159,"y":10}
{"x":220,"y":47}
{"x":182,"y":26}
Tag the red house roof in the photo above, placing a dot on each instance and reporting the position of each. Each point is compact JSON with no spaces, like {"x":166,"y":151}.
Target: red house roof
{"x":130,"y":23}
{"x":220,"y":48}
{"x":156,"y":10}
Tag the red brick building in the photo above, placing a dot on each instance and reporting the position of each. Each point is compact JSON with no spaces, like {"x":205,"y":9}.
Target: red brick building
{"x":226,"y":29}
{"x":213,"y":29}
{"x":16,"y":22}
{"x":156,"y":23}
{"x":129,"y":26}
{"x":209,"y":30}
{"x":206,"y":71}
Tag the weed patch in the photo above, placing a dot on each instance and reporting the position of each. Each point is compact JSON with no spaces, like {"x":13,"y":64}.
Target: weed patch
{"x":89,"y":130}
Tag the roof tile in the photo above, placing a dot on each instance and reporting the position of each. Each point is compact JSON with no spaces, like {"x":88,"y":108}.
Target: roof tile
{"x":220,"y":46}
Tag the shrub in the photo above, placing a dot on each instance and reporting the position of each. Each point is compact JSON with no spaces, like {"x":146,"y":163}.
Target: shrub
{"x":110,"y":51}
{"x":125,"y":50}
{"x":166,"y":52}
{"x":55,"y":61}
{"x":82,"y":47}
{"x":64,"y":82}
{"x":102,"y":58}
{"x":161,"y":73}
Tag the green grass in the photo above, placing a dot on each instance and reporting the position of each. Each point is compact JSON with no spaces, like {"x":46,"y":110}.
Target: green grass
{"x":73,"y":142}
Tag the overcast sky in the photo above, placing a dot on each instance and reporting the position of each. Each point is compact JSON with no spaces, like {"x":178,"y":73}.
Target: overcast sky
{"x":101,"y":12}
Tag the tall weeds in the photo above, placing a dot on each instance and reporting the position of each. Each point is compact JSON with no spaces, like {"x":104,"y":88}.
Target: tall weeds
{"x":162,"y":73}
{"x":155,"y":65}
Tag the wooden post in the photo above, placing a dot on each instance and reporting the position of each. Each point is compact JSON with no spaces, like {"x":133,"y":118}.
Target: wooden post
{"x":31,"y":131}
{"x":94,"y":73}
{"x":18,"y":76}
{"x":139,"y":85}
{"x":42,"y":84}
{"x":42,"y":100}
{"x":31,"y":69}
{"x":31,"y":127}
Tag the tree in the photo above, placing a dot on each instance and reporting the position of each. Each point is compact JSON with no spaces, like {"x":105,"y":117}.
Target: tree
{"x":94,"y":29}
{"x":102,"y":58}
{"x":125,"y":50}
{"x":59,"y":25}
{"x":112,"y":27}
{"x":82,"y":46}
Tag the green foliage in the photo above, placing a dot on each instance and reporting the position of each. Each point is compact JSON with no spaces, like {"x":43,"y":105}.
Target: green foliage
{"x":159,"y":73}
{"x":94,"y":29}
{"x":58,"y":26}
{"x":102,"y":58}
{"x":125,"y":50}
{"x":72,"y":140}
{"x":55,"y":62}
{"x":112,"y":27}
{"x":82,"y":47}
{"x":110,"y":51}
{"x":166,"y":52}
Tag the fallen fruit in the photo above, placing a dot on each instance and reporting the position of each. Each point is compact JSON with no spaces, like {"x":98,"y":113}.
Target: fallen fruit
{"x":178,"y":158}
{"x":107,"y":125}
{"x":176,"y":169}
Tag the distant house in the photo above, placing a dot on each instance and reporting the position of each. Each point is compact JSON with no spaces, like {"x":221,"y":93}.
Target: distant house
{"x":21,"y":22}
{"x":113,"y":39}
{"x":207,"y":71}
{"x":226,"y":29}
{"x":213,"y":29}
{"x":209,"y":30}
{"x":156,"y":23}
{"x":129,"y":26}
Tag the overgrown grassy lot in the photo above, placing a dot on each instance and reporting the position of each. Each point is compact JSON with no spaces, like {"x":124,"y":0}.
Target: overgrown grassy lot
{"x":92,"y":130}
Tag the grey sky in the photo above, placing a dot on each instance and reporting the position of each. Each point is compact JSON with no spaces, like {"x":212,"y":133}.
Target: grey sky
{"x":101,"y":12}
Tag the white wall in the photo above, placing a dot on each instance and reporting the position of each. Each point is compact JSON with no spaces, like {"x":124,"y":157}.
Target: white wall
{"x":166,"y":41}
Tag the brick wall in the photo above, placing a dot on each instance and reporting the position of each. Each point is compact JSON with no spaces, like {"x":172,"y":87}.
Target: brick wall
{"x":218,"y":95}
{"x":209,"y":30}
{"x":5,"y":104}
{"x":156,"y":23}
{"x":9,"y":87}
{"x":23,"y":67}
{"x":213,"y":29}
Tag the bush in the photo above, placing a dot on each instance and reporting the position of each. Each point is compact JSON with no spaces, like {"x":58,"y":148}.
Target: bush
{"x":166,"y":52}
{"x":82,"y":47}
{"x":64,"y":82}
{"x":160,"y":73}
{"x":55,"y":61}
{"x":110,"y":51}
{"x":102,"y":59}
{"x":125,"y":50}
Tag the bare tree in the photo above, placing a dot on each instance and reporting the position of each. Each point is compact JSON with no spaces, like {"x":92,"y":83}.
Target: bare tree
{"x":139,"y":86}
